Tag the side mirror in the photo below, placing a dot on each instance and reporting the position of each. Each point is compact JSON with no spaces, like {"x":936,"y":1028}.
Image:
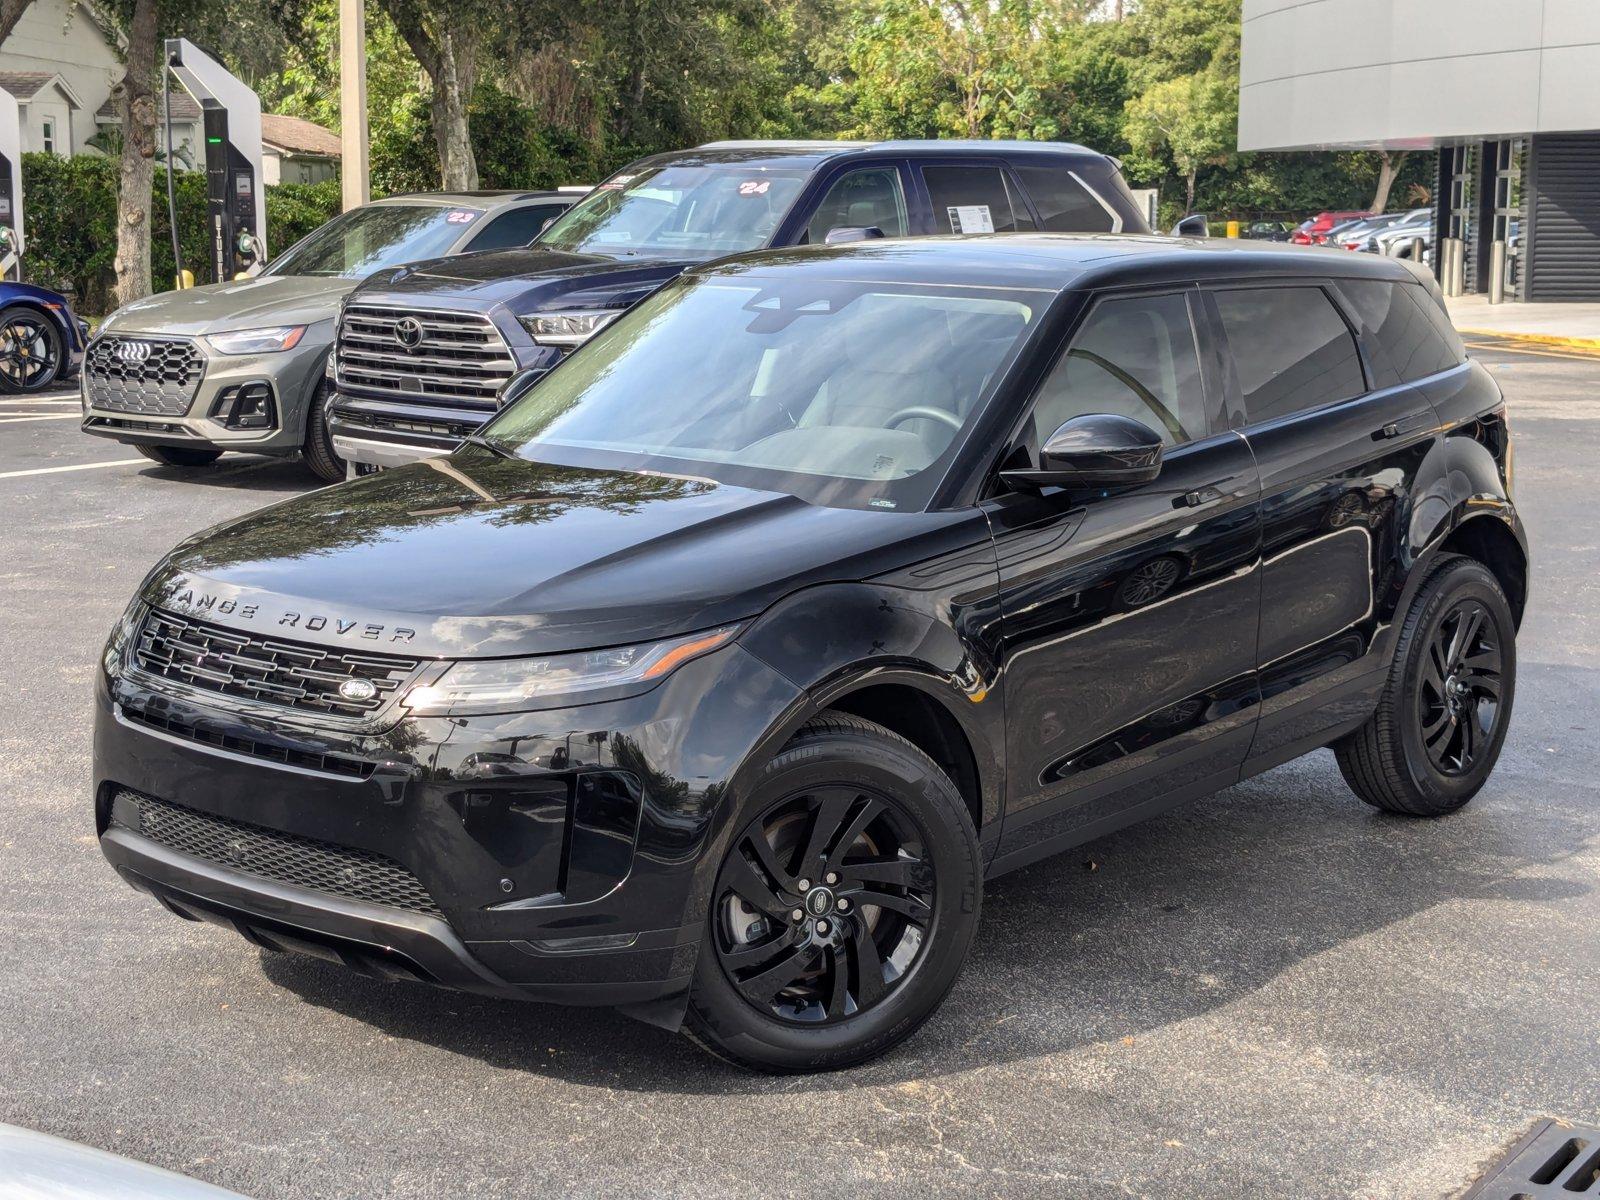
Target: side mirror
{"x":516,"y":387}
{"x":1194,"y":225}
{"x":852,"y":233}
{"x":1095,"y":450}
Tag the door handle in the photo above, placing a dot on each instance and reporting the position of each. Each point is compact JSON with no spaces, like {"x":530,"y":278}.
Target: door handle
{"x":1405,"y":425}
{"x":1203,"y":495}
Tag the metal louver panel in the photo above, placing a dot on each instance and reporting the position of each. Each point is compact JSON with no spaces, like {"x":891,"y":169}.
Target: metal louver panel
{"x":1563,"y":238}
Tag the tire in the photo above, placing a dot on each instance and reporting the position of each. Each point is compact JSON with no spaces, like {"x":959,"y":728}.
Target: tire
{"x":1419,"y":754}
{"x":180,"y":456}
{"x":916,"y":853}
{"x":31,"y":351}
{"x":318,"y":450}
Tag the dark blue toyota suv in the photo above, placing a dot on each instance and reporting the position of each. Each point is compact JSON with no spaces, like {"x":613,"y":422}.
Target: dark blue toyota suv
{"x":426,"y":353}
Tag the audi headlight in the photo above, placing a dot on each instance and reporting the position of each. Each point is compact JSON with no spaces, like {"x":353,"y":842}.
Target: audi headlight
{"x":257,"y":341}
{"x":512,"y":684}
{"x":571,"y":328}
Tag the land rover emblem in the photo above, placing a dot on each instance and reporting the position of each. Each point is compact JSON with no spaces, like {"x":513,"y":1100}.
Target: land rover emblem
{"x":358,"y":689}
{"x":408,"y":332}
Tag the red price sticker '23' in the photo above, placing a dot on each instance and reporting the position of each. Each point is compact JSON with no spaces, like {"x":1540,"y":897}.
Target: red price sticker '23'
{"x":754,"y":187}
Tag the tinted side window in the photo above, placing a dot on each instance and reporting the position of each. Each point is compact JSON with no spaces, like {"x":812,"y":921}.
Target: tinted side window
{"x":1292,"y":349}
{"x":1397,"y":315}
{"x":515,"y":228}
{"x":1136,"y":358}
{"x":1064,"y":204}
{"x":869,"y":196}
{"x":974,"y":200}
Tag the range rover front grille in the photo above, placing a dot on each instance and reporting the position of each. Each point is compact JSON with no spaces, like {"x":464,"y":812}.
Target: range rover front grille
{"x":442,"y":359}
{"x":149,"y":375}
{"x":254,"y":667}
{"x":271,"y":854}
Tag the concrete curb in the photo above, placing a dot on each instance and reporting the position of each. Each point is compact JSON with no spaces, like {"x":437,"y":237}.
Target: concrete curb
{"x":1541,"y":339}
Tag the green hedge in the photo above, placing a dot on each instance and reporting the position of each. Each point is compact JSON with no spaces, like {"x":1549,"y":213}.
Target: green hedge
{"x":71,"y":219}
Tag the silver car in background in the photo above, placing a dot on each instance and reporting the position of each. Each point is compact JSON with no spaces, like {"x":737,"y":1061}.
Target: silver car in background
{"x":185,"y":375}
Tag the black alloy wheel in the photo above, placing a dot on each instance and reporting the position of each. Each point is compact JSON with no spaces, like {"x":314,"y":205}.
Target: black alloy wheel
{"x":1443,"y":713}
{"x":31,"y":351}
{"x":824,"y":905}
{"x":1459,"y":698}
{"x":843,"y":906}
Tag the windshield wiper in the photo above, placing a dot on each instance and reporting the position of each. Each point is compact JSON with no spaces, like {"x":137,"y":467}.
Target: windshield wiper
{"x":493,"y":447}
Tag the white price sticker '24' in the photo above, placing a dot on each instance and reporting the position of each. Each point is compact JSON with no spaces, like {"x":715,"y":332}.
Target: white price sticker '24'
{"x":970,"y":218}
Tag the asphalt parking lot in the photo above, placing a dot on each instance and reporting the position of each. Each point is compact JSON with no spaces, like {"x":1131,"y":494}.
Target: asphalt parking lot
{"x":1272,"y":992}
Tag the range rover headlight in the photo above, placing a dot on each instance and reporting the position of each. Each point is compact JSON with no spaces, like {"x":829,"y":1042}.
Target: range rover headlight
{"x":571,"y":328}
{"x":511,"y":684}
{"x":122,"y":634}
{"x":257,"y":341}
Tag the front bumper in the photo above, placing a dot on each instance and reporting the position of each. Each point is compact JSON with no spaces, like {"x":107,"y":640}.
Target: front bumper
{"x":386,"y":433}
{"x":294,"y":377}
{"x":568,"y":853}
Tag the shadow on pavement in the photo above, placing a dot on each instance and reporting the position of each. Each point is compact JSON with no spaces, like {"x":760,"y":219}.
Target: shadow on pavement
{"x":286,"y":476}
{"x":1183,"y":915}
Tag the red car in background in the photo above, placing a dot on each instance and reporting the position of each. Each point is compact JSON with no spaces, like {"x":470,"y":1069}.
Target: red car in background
{"x":1315,"y":231}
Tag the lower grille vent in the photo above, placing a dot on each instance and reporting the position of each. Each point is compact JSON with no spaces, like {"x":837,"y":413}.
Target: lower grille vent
{"x":1555,"y":1160}
{"x":285,"y":857}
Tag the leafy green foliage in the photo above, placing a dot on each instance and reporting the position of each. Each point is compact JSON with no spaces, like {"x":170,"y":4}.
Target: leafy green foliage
{"x":72,"y":217}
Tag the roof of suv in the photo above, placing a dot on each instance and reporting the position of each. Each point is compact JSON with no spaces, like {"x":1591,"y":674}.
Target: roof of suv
{"x":810,"y":153}
{"x":480,"y":198}
{"x":1058,"y":261}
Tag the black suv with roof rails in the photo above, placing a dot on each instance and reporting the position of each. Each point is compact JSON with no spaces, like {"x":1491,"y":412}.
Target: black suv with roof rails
{"x":714,"y":677}
{"x":427,"y":353}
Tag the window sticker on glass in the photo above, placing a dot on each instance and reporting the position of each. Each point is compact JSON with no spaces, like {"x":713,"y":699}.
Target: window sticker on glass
{"x":612,"y":185}
{"x":970,"y":218}
{"x":460,"y":216}
{"x":754,"y":187}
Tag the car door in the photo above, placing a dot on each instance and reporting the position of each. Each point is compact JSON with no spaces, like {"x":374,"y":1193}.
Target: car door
{"x":1129,"y":616}
{"x":1339,"y":449}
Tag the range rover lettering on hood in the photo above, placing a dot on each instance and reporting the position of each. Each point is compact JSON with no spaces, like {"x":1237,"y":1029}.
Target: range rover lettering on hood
{"x":191,"y":603}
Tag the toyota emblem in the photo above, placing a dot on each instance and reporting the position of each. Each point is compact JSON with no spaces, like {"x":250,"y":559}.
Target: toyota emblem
{"x":132,"y":352}
{"x":408,"y":332}
{"x":358,"y":689}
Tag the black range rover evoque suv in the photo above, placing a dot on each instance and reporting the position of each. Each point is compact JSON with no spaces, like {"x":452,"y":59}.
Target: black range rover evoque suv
{"x":714,"y":677}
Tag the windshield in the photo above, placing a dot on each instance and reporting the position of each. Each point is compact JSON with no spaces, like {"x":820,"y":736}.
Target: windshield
{"x":365,"y":240}
{"x":848,"y":394}
{"x":677,"y":212}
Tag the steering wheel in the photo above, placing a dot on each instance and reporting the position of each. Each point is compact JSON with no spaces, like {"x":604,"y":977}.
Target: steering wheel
{"x":923,"y":412}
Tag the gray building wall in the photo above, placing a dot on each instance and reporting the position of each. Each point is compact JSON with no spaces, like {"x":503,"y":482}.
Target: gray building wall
{"x":1415,"y":73}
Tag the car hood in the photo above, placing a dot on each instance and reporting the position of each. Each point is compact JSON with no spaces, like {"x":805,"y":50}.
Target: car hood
{"x":261,"y":302}
{"x":480,"y":556}
{"x":522,"y":279}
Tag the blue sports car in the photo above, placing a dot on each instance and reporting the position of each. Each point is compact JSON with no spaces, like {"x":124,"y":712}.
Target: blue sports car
{"x":41,"y":341}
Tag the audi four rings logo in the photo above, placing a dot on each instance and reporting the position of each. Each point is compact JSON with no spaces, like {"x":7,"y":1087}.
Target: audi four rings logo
{"x":133,"y":352}
{"x":408,"y":332}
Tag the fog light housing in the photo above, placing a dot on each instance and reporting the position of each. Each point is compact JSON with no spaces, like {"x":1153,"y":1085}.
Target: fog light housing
{"x":246,"y":406}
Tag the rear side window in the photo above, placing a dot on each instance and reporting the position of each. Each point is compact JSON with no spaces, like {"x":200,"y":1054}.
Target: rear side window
{"x":1136,"y":358}
{"x":1399,"y":317}
{"x":515,"y":228}
{"x":1064,"y":204}
{"x":974,"y":199}
{"x":1292,"y":350}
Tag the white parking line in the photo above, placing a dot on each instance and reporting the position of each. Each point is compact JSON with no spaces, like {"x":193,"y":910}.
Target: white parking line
{"x":38,"y":400}
{"x":121,"y":462}
{"x":8,"y":419}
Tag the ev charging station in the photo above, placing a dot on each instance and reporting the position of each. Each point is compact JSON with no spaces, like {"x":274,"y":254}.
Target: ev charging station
{"x":236,"y":202}
{"x":11,"y":243}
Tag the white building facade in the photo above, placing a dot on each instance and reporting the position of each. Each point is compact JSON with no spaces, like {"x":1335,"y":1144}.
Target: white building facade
{"x":1508,"y":92}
